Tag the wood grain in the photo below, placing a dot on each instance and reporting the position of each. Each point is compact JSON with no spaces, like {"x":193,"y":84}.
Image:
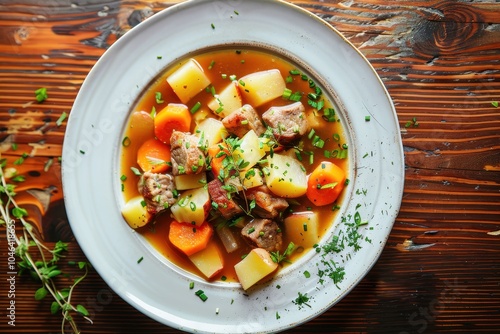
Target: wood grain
{"x":440,"y":62}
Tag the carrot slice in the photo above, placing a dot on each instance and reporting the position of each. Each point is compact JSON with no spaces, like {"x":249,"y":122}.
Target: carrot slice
{"x":217,"y":153}
{"x":189,"y":238}
{"x":153,"y":156}
{"x":173,"y":117}
{"x":325,"y":183}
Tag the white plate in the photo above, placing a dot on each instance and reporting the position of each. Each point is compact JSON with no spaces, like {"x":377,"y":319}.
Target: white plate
{"x":90,"y":164}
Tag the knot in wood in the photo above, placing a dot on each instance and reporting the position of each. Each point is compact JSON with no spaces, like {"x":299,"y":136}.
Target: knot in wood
{"x":447,"y":29}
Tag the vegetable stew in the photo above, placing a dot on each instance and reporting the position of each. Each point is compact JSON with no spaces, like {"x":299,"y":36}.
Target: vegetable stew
{"x":234,"y":164}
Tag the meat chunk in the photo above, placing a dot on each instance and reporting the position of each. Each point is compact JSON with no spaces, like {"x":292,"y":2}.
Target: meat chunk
{"x":288,"y":122}
{"x":186,"y":155}
{"x":242,"y":120}
{"x":227,"y":206}
{"x":267,"y":205}
{"x":158,"y":191}
{"x":263,"y":233}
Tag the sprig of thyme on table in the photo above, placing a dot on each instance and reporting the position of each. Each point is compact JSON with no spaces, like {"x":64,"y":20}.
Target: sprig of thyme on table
{"x":34,"y":255}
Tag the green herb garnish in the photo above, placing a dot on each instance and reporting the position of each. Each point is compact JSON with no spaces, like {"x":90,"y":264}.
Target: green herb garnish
{"x":37,"y":260}
{"x":41,"y":94}
{"x":201,"y":294}
{"x":158,"y":98}
{"x":278,"y":258}
{"x":412,"y":123}
{"x":61,"y":118}
{"x":302,"y":300}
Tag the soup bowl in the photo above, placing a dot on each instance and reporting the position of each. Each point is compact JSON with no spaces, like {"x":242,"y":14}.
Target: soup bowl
{"x":146,"y":279}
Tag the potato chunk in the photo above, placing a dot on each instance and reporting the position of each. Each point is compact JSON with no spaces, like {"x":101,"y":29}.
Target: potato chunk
{"x":227,"y":101}
{"x":251,"y":178}
{"x":211,"y":130}
{"x":135,"y":212}
{"x":143,"y":126}
{"x":190,"y":181}
{"x":302,"y":228}
{"x":250,"y":150}
{"x":254,"y":267}
{"x":260,"y":87}
{"x":192,"y":207}
{"x":209,"y":260}
{"x":188,"y":80}
{"x":285,"y":176}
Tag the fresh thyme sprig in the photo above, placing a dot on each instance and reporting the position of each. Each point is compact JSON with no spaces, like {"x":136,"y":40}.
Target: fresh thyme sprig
{"x":35,"y":262}
{"x":229,"y":175}
{"x":279,"y":258}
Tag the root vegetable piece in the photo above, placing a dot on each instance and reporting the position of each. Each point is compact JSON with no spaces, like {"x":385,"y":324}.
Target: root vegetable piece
{"x":189,"y":238}
{"x":254,"y":267}
{"x":250,"y":150}
{"x":209,"y":260}
{"x":174,"y":117}
{"x":260,"y":87}
{"x":143,"y":126}
{"x":302,"y":228}
{"x":217,"y":153}
{"x":285,"y":176}
{"x":153,"y":155}
{"x":251,"y":178}
{"x":227,"y":101}
{"x":192,"y":206}
{"x":135,"y":212}
{"x":188,"y":80}
{"x":190,"y":181}
{"x":325,"y":183}
{"x":211,"y":130}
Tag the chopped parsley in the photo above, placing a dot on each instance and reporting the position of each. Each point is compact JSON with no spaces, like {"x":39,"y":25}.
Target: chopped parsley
{"x":41,"y":94}
{"x":201,"y":294}
{"x":302,"y":300}
{"x":158,"y":98}
{"x":412,"y":123}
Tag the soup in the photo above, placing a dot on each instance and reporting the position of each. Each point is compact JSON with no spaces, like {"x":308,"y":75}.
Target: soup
{"x":233,"y":164}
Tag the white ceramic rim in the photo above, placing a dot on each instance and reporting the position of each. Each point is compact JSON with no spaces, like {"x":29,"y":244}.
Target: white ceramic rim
{"x":90,"y":165}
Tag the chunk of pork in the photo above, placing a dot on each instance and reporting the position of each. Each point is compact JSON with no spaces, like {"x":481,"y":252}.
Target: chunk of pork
{"x":186,"y":155}
{"x":263,"y":233}
{"x":287,"y":122}
{"x":242,"y":120}
{"x":158,"y":191}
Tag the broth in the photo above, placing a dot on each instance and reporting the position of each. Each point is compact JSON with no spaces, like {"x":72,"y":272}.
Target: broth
{"x":218,"y":65}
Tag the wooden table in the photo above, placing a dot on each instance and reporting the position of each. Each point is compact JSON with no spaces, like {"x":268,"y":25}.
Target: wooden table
{"x":440,"y":61}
